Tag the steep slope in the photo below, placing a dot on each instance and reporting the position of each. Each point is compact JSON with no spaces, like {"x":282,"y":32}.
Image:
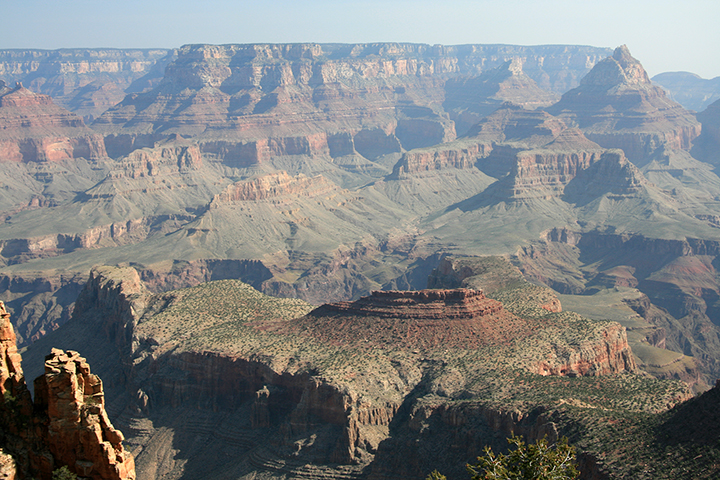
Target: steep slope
{"x":86,"y":81}
{"x":617,"y":106}
{"x":36,"y":130}
{"x":469,"y":100}
{"x":221,"y":384}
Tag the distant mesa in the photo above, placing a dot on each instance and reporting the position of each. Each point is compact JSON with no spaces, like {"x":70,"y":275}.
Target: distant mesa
{"x":456,"y":318}
{"x":453,"y":304}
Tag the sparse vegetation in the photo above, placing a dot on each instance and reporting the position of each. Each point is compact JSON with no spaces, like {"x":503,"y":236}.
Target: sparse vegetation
{"x":63,"y":473}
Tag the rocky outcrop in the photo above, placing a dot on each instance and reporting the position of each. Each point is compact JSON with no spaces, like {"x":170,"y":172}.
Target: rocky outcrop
{"x":21,"y":250}
{"x":274,"y":186}
{"x":37,"y":130}
{"x":79,"y":432}
{"x":617,"y":106}
{"x":546,"y":171}
{"x":425,"y":319}
{"x":452,"y":155}
{"x":161,"y":160}
{"x":422,"y":305}
{"x":12,"y":380}
{"x":66,"y":425}
{"x":611,"y":355}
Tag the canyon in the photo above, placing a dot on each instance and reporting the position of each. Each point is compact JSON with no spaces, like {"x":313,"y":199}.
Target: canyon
{"x":346,"y":181}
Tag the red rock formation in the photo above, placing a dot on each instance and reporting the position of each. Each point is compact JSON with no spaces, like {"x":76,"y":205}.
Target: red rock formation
{"x":68,"y":424}
{"x":12,"y":380}
{"x":37,"y":130}
{"x":79,"y":433}
{"x":611,"y":355}
{"x":617,"y":106}
{"x":423,"y":304}
{"x":460,"y":318}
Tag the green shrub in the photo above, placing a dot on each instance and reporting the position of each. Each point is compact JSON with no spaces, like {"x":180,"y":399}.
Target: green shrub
{"x":538,"y":461}
{"x":63,"y":473}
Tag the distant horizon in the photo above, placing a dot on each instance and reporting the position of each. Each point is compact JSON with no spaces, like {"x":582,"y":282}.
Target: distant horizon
{"x":663,"y":35}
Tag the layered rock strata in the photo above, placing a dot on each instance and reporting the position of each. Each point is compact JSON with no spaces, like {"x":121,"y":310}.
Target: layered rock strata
{"x":272,"y":186}
{"x":423,"y":305}
{"x":86,"y":81}
{"x":66,"y":425}
{"x":79,"y":433}
{"x":470,"y":99}
{"x":338,"y":97}
{"x":617,"y":106}
{"x":37,"y":130}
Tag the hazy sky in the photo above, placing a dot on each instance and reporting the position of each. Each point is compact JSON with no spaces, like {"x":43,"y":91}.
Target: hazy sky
{"x":664,"y":35}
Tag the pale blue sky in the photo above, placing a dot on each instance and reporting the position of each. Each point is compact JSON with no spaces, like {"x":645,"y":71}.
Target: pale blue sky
{"x":664,"y":35}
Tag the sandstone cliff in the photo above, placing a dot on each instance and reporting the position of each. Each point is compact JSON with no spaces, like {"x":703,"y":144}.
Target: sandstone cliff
{"x":66,"y":426}
{"x":79,"y":432}
{"x":238,"y":97}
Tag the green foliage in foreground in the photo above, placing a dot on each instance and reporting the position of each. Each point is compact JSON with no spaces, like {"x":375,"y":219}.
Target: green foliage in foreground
{"x":63,"y":473}
{"x":538,"y":461}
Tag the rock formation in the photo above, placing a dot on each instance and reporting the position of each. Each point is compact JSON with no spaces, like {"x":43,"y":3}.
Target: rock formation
{"x":37,"y":130}
{"x":274,"y":185}
{"x":66,"y":425}
{"x":369,"y":100}
{"x":425,"y":319}
{"x":86,"y":81}
{"x":617,"y":106}
{"x":688,"y":89}
{"x":469,"y":100}
{"x":80,"y":434}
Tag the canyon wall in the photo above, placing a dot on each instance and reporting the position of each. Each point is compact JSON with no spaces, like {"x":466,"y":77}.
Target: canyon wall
{"x":86,"y":81}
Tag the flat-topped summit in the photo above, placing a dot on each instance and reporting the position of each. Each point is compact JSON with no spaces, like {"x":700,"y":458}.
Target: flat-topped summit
{"x":428,"y":319}
{"x":460,"y":303}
